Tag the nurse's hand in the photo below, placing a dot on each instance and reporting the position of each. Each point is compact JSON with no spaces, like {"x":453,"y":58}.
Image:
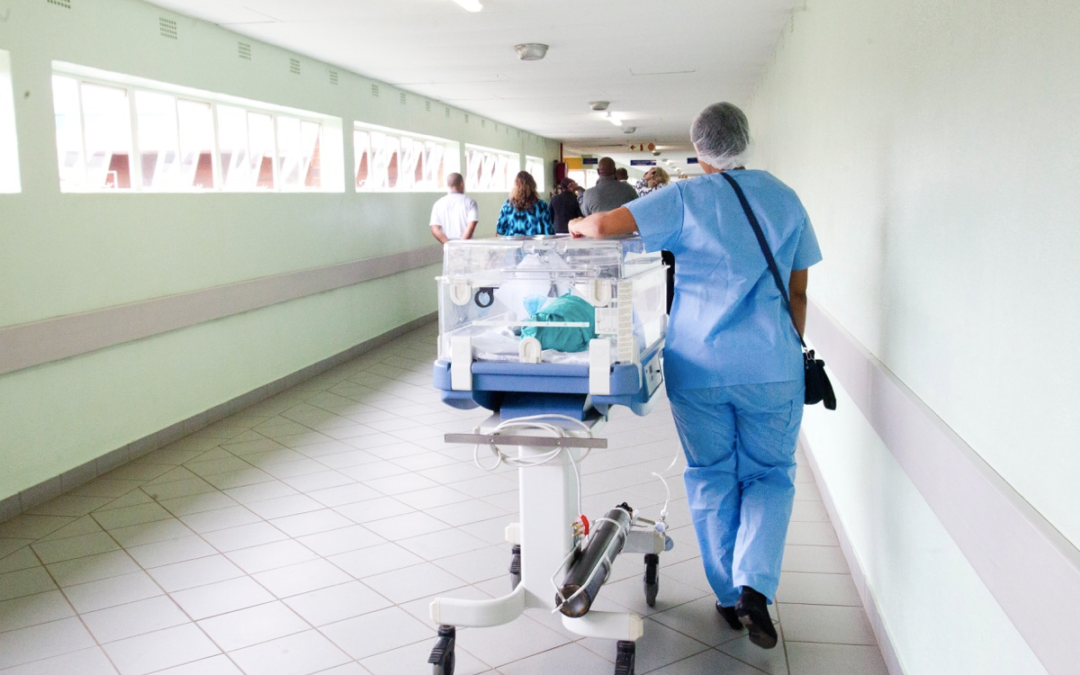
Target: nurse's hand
{"x":604,"y":224}
{"x":575,"y":228}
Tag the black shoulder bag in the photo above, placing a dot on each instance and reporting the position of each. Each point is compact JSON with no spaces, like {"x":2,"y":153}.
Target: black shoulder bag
{"x":818,"y":387}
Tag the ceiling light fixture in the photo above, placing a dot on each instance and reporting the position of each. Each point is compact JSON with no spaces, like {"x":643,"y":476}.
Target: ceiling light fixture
{"x":629,"y":130}
{"x":530,"y":51}
{"x":470,"y":5}
{"x":599,"y":106}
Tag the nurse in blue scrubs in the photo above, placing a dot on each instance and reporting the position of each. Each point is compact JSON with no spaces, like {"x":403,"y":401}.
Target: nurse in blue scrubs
{"x":732,"y":361}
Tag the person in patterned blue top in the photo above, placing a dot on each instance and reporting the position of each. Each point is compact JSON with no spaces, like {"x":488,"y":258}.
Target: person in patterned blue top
{"x":525,"y":214}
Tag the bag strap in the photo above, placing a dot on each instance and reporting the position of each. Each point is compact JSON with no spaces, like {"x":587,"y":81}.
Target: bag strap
{"x":764,"y":249}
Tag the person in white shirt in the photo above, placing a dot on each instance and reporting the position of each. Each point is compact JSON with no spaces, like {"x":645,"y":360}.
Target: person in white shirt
{"x":454,"y":216}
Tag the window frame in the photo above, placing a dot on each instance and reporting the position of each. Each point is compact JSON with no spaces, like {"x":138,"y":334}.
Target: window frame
{"x":538,"y":168}
{"x":330,"y":163}
{"x":491,"y":159}
{"x":419,"y":149}
{"x":10,"y":178}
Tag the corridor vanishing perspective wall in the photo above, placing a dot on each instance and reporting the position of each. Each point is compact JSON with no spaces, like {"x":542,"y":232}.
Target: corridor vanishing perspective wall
{"x":935,"y":146}
{"x":65,"y":254}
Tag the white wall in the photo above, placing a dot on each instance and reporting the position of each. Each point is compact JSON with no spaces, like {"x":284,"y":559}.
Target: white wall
{"x":936,"y":148}
{"x":68,"y":253}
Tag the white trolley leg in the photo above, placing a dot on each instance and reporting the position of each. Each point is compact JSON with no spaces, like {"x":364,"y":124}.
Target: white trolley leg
{"x":548,"y":504}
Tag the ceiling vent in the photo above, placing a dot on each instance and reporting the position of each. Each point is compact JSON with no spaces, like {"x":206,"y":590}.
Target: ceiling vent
{"x":466,"y":118}
{"x":333,"y":77}
{"x":375,"y":90}
{"x":401,"y":98}
{"x":66,"y":4}
{"x":427,"y":106}
{"x":243,"y":50}
{"x":294,"y":66}
{"x":168,"y":28}
{"x":447,"y":112}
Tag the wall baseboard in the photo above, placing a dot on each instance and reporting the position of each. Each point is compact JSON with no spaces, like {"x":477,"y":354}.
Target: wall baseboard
{"x":866,"y":594}
{"x":58,"y":485}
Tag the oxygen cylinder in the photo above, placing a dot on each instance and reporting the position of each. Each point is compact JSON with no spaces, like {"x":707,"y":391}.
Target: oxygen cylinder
{"x":592,"y":567}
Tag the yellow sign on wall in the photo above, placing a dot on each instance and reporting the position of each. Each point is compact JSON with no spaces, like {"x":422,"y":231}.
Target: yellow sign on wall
{"x":573,"y":163}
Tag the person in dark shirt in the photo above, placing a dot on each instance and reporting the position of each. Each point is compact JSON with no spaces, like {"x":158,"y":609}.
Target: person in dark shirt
{"x":564,"y":205}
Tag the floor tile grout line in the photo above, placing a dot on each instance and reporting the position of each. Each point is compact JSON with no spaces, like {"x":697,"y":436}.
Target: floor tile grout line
{"x":305,"y":397}
{"x":78,"y":615}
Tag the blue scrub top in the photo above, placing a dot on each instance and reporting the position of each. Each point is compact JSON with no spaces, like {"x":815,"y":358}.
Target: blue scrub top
{"x":729,"y":324}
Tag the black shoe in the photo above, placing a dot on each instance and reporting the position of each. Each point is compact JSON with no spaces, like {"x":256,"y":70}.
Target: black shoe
{"x":753,"y":612}
{"x":730,"y":616}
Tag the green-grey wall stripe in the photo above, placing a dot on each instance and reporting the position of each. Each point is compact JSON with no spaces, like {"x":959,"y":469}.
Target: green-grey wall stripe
{"x":32,"y":344}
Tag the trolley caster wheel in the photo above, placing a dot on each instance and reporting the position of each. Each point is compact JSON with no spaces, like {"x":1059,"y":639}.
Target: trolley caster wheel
{"x":442,"y":656}
{"x":515,"y":567}
{"x":652,"y":578}
{"x":624,"y":660}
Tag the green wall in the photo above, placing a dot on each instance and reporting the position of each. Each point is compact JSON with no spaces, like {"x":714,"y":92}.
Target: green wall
{"x":70,"y":253}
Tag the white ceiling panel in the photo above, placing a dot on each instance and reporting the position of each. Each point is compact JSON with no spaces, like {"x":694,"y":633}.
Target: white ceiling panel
{"x":658,"y":63}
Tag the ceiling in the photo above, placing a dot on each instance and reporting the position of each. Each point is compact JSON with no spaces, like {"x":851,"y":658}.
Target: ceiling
{"x":658,"y":62}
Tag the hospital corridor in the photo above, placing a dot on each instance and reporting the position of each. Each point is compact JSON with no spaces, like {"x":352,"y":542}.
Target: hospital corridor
{"x":397,"y":337}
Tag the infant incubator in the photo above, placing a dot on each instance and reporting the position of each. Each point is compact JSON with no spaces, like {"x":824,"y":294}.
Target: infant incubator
{"x":550,"y":315}
{"x":549,"y":333}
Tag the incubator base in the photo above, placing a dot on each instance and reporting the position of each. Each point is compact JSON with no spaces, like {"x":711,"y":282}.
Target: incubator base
{"x":548,"y":509}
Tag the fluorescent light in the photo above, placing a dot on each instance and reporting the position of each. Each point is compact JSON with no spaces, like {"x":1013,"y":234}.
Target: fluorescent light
{"x":470,"y":5}
{"x":530,"y":51}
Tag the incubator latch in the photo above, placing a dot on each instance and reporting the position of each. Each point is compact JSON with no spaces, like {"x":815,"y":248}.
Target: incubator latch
{"x":460,"y":293}
{"x":529,"y":350}
{"x":600,"y":366}
{"x":596,"y":291}
{"x":461,"y":363}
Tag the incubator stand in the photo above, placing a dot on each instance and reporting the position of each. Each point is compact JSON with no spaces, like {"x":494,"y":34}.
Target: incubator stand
{"x":491,"y":293}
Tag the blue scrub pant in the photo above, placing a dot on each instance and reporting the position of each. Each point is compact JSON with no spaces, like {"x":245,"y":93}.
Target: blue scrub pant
{"x":740,"y":479}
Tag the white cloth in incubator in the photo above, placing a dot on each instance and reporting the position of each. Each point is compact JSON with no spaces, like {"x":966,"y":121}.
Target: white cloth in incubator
{"x":497,"y":344}
{"x":524,"y":297}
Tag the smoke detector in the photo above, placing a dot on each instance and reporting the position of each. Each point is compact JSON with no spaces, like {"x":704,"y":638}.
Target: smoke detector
{"x":656,"y":153}
{"x":599,"y":106}
{"x":531,"y":51}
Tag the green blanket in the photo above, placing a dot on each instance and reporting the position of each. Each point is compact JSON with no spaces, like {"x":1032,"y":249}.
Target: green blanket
{"x":564,"y":308}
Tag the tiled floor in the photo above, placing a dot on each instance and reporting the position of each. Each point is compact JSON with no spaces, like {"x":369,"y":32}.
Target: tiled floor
{"x":308,"y":534}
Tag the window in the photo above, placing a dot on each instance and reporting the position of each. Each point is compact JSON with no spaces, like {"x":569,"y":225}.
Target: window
{"x":387,"y":159}
{"x":490,"y":170}
{"x":535,"y":166}
{"x":184,"y":140}
{"x":9,"y":151}
{"x":586,"y":178}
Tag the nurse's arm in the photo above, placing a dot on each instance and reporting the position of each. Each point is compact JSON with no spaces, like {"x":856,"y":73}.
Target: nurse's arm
{"x":797,"y":294}
{"x":604,"y":224}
